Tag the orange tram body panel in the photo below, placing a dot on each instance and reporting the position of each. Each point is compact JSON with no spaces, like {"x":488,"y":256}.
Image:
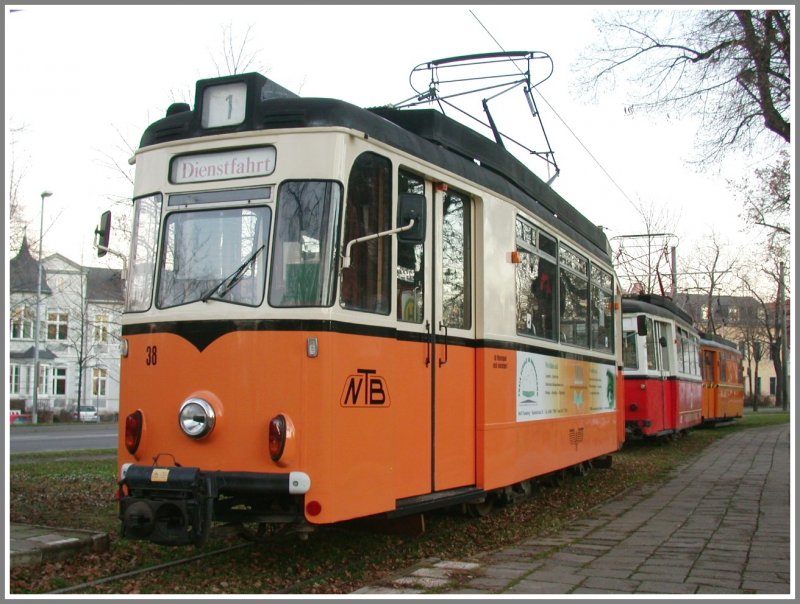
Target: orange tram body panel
{"x":723,"y":380}
{"x":329,"y":317}
{"x":661,"y":359}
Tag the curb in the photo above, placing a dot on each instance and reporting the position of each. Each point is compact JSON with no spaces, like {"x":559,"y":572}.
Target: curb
{"x":34,"y":545}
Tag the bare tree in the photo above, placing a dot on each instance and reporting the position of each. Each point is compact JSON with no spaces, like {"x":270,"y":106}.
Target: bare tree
{"x":762,"y":279}
{"x":766,"y":200}
{"x":709,"y":272}
{"x":17,"y":223}
{"x":731,"y":68}
{"x":237,"y":53}
{"x":116,"y":161}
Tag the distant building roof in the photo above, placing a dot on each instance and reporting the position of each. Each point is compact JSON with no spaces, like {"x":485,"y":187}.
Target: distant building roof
{"x":24,"y":272}
{"x":44,"y":354}
{"x":104,"y":284}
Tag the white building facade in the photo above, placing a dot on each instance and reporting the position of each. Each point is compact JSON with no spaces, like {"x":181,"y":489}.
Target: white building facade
{"x":79,"y":341}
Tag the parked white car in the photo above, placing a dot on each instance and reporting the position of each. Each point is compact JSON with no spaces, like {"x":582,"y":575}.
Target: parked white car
{"x":87,"y":413}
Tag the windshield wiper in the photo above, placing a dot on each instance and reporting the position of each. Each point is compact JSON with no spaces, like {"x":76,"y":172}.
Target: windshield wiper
{"x":228,"y":283}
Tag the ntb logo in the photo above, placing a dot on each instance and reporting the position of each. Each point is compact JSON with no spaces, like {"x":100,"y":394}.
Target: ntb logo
{"x":365,"y":389}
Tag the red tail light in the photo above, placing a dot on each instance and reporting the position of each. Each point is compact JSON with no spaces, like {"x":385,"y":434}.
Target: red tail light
{"x":277,"y":437}
{"x":133,"y":431}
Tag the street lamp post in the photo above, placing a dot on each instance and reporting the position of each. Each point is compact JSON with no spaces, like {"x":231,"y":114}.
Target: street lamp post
{"x":36,"y":329}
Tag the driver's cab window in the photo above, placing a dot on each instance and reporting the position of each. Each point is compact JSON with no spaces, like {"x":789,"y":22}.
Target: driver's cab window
{"x":630,"y":356}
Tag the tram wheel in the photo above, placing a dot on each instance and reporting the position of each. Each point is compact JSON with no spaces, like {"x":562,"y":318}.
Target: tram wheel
{"x":602,"y":462}
{"x":581,"y":469}
{"x":257,"y":532}
{"x":482,"y":509}
{"x":524,"y":488}
{"x":555,"y":479}
{"x":517,"y":492}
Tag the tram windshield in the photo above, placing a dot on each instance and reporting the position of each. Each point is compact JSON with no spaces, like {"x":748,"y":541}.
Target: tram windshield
{"x":214,"y":254}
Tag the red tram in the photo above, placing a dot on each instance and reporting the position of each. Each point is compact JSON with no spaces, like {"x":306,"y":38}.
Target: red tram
{"x":661,"y":359}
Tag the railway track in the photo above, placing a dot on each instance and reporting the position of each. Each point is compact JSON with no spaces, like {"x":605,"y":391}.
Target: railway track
{"x":328,"y":574}
{"x":149,"y":569}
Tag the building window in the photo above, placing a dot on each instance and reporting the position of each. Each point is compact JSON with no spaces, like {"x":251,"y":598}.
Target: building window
{"x":99,"y":380}
{"x":101,"y":329}
{"x":15,"y":379}
{"x":57,"y":323}
{"x":773,"y":386}
{"x":52,"y":380}
{"x":59,"y":381}
{"x":22,"y":320}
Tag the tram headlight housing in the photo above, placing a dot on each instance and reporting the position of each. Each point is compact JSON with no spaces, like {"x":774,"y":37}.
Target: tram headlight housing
{"x":197,"y":418}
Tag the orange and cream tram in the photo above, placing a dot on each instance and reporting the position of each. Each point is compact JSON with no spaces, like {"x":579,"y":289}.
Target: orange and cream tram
{"x":723,"y":380}
{"x":335,"y":313}
{"x":663,"y":385}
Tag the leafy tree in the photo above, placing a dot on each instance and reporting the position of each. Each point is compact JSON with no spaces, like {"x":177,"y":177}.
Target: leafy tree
{"x":729,"y":67}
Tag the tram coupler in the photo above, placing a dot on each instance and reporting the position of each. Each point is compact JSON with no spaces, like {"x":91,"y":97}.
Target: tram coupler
{"x":168,"y":506}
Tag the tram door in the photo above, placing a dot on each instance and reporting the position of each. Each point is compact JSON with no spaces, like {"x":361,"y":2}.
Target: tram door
{"x":436,"y":305}
{"x":453,"y":332}
{"x":662,"y":359}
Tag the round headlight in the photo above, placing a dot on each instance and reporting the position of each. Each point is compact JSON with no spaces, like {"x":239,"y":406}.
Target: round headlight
{"x":197,"y":418}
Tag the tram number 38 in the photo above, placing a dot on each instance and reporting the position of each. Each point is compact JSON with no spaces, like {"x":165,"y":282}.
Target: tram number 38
{"x":151,"y":357}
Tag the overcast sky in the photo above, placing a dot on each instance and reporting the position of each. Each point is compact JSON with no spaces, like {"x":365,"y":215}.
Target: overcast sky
{"x":81,"y":80}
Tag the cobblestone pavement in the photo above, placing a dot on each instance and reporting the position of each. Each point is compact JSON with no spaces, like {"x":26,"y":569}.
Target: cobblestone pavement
{"x":718,"y":525}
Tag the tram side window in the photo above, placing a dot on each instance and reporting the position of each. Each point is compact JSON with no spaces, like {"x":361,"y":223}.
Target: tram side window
{"x":410,"y":261}
{"x":535,"y":282}
{"x":652,"y":360}
{"x":630,"y":358}
{"x":305,"y":241}
{"x":602,"y":315}
{"x":725,"y":358}
{"x":708,"y":366}
{"x":366,"y":284}
{"x":574,"y":297}
{"x":456,"y":273}
{"x":665,"y":340}
{"x":147,"y":213}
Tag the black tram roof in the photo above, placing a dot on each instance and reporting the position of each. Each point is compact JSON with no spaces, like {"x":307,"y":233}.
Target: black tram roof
{"x":654,"y":304}
{"x":424,"y":133}
{"x":712,"y":338}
